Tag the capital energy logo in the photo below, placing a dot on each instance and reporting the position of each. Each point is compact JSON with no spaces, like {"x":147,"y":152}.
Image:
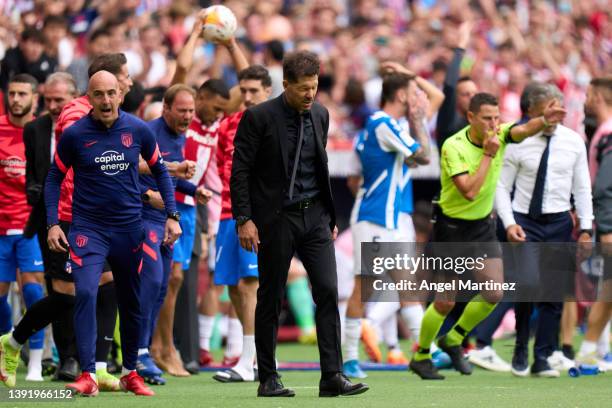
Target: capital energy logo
{"x":112,"y":162}
{"x":14,"y":166}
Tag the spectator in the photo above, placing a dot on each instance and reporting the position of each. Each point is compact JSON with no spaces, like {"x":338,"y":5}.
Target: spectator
{"x":28,"y":57}
{"x":99,"y":42}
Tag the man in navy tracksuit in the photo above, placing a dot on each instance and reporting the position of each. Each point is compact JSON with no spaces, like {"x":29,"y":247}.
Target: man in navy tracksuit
{"x":169,"y":130}
{"x":103,"y":148}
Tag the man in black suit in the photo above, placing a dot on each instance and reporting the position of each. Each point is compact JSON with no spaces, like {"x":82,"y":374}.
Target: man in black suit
{"x":39,"y":140}
{"x":282,"y":203}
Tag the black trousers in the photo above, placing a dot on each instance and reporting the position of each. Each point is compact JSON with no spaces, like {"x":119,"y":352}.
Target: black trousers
{"x":306,"y":232}
{"x":555,"y":228}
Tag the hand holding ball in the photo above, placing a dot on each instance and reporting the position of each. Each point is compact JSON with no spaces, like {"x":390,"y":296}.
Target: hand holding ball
{"x":218,"y":24}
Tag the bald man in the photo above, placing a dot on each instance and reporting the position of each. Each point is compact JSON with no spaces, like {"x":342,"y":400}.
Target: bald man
{"x":103,"y":150}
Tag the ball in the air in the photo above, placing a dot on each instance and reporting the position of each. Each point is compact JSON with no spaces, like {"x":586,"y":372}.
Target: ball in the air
{"x":219,"y":24}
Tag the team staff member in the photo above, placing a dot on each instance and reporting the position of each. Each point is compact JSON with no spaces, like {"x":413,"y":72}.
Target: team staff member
{"x":103,"y":148}
{"x":280,"y":186}
{"x":471,"y":162}
{"x":545,"y":172}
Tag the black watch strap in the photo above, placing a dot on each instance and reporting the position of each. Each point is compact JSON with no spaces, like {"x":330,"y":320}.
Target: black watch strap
{"x":175,"y":215}
{"x":52,"y":225}
{"x":587,"y":231}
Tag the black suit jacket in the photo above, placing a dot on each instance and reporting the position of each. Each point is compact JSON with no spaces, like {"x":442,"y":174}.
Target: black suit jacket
{"x":260,"y":165}
{"x":37,"y":139}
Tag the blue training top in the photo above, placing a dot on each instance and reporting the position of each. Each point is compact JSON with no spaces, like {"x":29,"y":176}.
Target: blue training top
{"x":105,"y":162}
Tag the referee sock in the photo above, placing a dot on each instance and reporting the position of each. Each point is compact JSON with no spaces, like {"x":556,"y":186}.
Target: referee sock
{"x":32,"y":293}
{"x":351,"y":341}
{"x":475,"y":312}
{"x":300,"y":300}
{"x":206,"y":325}
{"x":6,"y":322}
{"x":430,"y":326}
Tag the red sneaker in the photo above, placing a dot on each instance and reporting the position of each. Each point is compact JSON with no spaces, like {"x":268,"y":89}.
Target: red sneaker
{"x":134,"y":383}
{"x":205,"y":357}
{"x":84,"y":385}
{"x":230,"y":361}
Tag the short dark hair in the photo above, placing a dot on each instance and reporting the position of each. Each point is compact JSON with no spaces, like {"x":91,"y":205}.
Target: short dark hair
{"x":258,"y":73}
{"x":133,"y":99}
{"x":392,"y":83}
{"x":170,"y":94}
{"x":216,"y":87}
{"x":55,"y":21}
{"x":100,"y":32}
{"x":25,"y":79}
{"x":107,"y":62}
{"x":299,"y":64}
{"x":480,"y":99}
{"x":276,"y":49}
{"x":604,"y":85}
{"x":464,"y":78}
{"x":32,"y":34}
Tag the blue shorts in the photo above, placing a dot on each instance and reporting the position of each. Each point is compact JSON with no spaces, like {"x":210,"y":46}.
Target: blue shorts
{"x":232,"y":262}
{"x":184,"y":245}
{"x":16,"y":251}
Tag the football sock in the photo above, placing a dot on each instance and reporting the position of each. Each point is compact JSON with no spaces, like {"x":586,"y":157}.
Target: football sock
{"x":475,"y":312}
{"x":106,"y":316}
{"x":430,"y":326}
{"x":351,"y":341}
{"x":206,"y":324}
{"x":413,"y":317}
{"x":233,"y":346}
{"x":6,"y":322}
{"x":300,"y":300}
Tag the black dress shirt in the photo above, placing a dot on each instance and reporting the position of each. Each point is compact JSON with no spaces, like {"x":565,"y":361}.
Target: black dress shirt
{"x":306,"y":185}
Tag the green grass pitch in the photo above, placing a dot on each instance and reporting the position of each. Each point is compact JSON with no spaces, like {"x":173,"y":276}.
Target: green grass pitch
{"x":388,"y":389}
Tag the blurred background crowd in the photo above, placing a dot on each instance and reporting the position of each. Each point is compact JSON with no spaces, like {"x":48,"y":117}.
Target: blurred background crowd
{"x":513,"y":41}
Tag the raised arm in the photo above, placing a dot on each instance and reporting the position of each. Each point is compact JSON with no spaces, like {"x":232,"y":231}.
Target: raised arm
{"x":553,"y":115}
{"x":184,"y":59}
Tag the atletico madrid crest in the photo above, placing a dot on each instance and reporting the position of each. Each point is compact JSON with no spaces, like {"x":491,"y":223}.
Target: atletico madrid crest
{"x":81,"y":241}
{"x":126,"y":139}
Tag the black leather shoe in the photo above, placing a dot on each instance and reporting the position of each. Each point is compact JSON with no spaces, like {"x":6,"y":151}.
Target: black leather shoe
{"x":273,"y":387}
{"x":69,"y":370}
{"x":193,"y":367}
{"x":456,"y":354}
{"x":339,"y":384}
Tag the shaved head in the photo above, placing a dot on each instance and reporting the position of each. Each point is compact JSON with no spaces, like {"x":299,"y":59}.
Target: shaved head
{"x":102,"y":78}
{"x":105,"y":97}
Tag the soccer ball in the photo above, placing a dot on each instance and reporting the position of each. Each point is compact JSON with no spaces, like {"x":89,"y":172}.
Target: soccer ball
{"x":218,"y":24}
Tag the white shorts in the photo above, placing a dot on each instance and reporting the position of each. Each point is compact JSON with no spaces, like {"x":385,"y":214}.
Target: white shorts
{"x":365,"y":231}
{"x":405,"y":228}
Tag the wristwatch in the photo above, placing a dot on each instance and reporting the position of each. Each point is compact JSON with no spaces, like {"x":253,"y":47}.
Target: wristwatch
{"x":241,"y":220}
{"x":52,"y":225}
{"x":145,"y":197}
{"x":586,"y":231}
{"x":175,"y":215}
